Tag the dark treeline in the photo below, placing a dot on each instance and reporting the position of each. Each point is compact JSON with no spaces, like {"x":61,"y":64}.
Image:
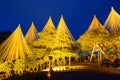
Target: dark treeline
{"x":4,"y":35}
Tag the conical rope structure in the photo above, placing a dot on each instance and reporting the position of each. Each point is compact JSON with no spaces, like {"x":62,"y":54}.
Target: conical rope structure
{"x":112,"y":23}
{"x":47,"y":35}
{"x":96,"y":26}
{"x":64,"y":43}
{"x":49,"y":25}
{"x":64,"y":38}
{"x":15,"y":47}
{"x":43,"y":45}
{"x":31,"y":35}
{"x":96,"y":33}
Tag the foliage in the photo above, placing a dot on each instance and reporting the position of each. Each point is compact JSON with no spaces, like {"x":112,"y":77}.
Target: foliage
{"x":14,"y":47}
{"x":31,"y":34}
{"x":96,"y":34}
{"x":112,"y":23}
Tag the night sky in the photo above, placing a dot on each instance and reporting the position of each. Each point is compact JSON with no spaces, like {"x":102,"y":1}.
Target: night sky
{"x":77,"y":13}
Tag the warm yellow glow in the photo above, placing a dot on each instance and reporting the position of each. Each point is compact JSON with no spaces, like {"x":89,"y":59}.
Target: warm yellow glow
{"x":63,"y":36}
{"x":113,"y":21}
{"x":31,"y":34}
{"x":49,"y":25}
{"x":57,"y":43}
{"x":46,"y":35}
{"x":65,"y":68}
{"x":98,"y":47}
{"x":15,"y":47}
{"x":46,"y":40}
{"x":96,"y":26}
{"x":62,"y":43}
{"x":96,"y":33}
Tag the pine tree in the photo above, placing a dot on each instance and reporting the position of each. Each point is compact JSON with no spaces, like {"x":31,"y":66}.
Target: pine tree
{"x":112,"y":23}
{"x":31,"y":35}
{"x":14,"y":47}
{"x":43,"y":45}
{"x":96,"y":34}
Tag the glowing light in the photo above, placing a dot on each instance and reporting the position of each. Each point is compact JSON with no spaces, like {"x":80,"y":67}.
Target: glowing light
{"x":31,"y":34}
{"x":96,"y":26}
{"x":63,"y":36}
{"x":95,"y":33}
{"x":112,"y":23}
{"x":43,"y":45}
{"x":49,"y":25}
{"x":15,"y":47}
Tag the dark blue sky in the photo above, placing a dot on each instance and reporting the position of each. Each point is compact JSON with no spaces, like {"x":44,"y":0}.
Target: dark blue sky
{"x":77,"y":13}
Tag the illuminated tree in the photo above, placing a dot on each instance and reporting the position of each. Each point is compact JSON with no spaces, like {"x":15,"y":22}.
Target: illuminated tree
{"x":43,"y":45}
{"x":64,"y":42}
{"x":96,"y":34}
{"x":64,"y":38}
{"x":31,"y":35}
{"x":14,"y":47}
{"x":112,"y":23}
